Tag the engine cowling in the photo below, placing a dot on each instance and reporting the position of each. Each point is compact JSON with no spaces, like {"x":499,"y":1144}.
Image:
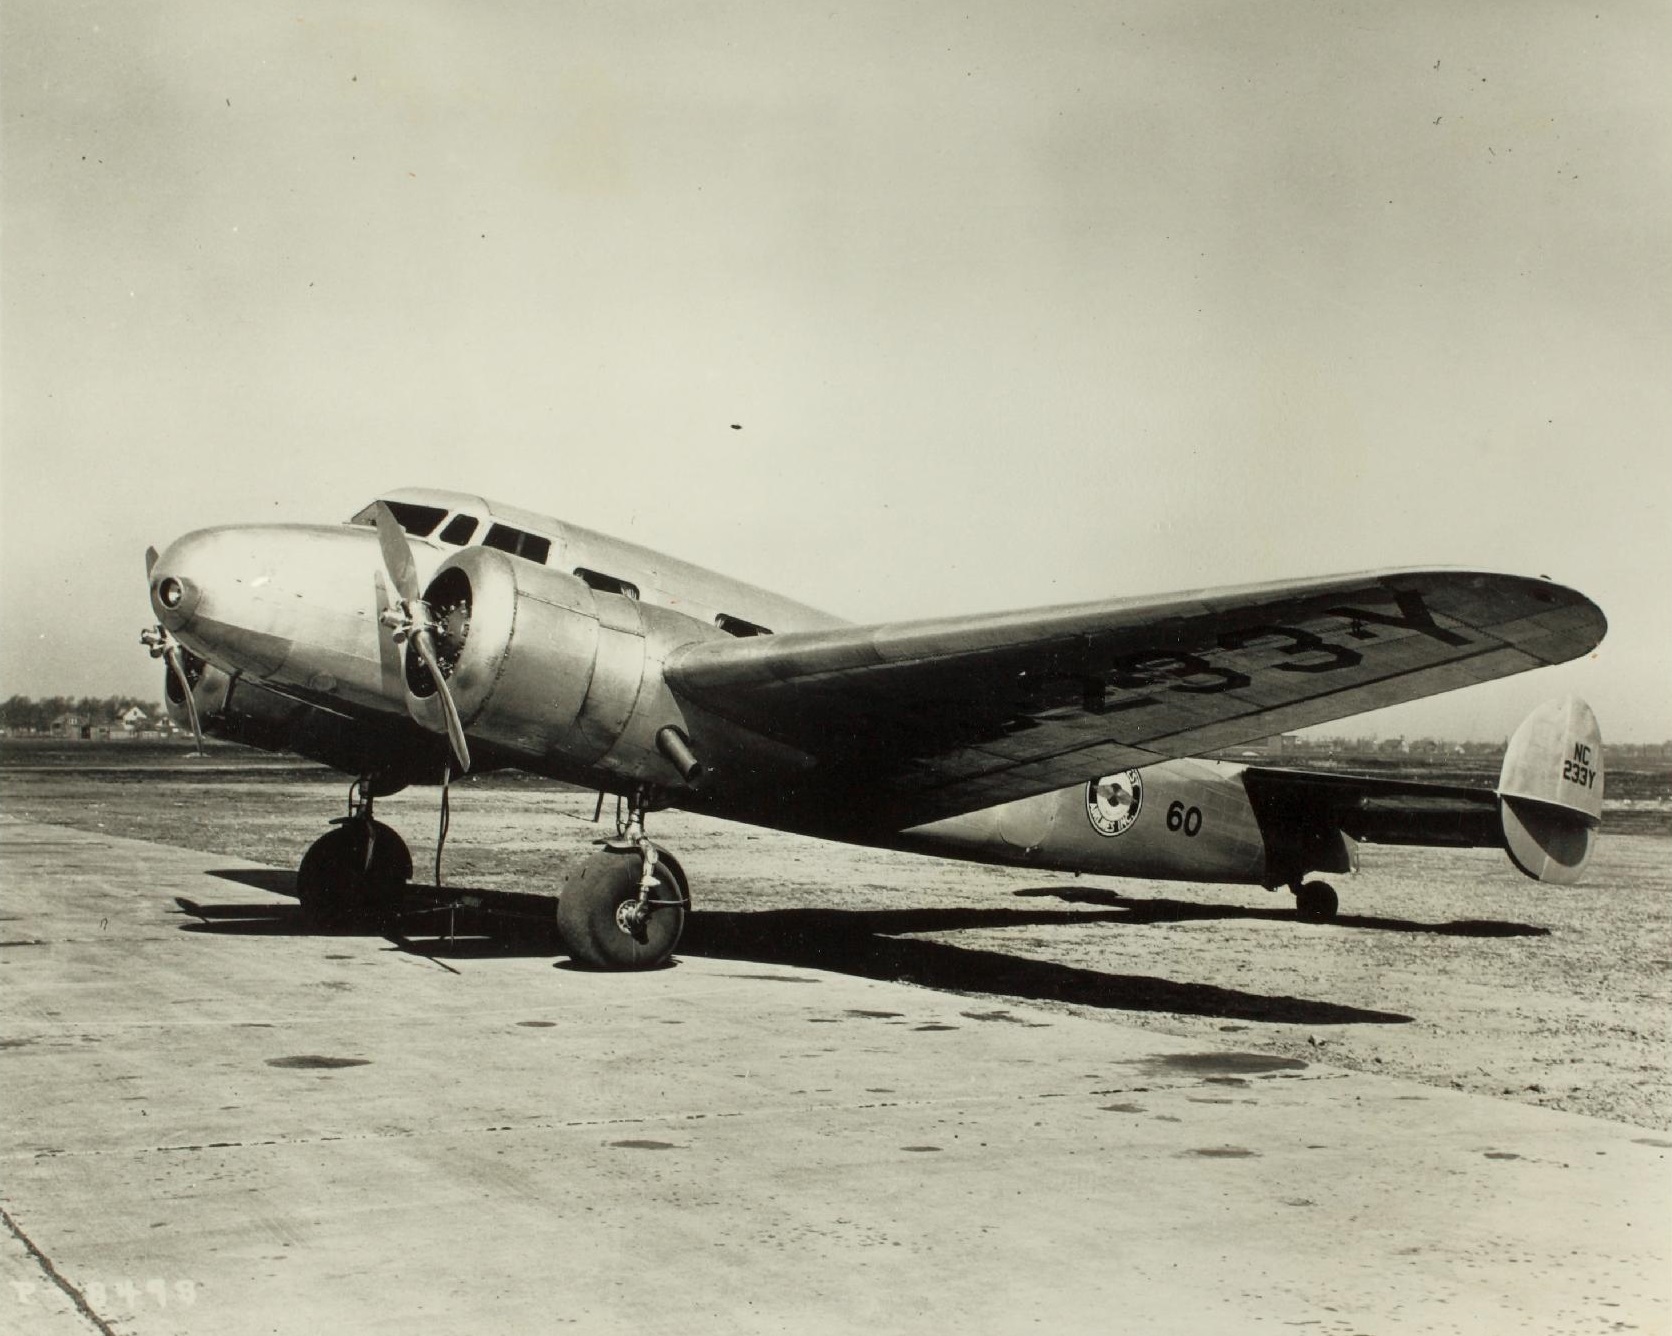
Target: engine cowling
{"x":544,"y":666}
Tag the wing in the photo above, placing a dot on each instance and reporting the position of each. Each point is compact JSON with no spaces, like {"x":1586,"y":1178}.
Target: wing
{"x":915,"y":721}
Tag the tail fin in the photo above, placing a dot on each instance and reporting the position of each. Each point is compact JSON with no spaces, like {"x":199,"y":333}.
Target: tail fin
{"x":1550,"y":791}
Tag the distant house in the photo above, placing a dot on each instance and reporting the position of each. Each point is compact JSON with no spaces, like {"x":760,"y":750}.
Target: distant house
{"x":77,"y":727}
{"x":134,"y":720}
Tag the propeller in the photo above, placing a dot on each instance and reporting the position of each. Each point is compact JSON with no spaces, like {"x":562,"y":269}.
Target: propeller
{"x":410,"y":619}
{"x":164,"y":646}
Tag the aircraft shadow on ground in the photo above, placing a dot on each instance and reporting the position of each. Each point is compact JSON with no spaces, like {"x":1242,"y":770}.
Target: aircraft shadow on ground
{"x":1183,"y":911}
{"x":872,"y":944}
{"x":866,"y":943}
{"x":506,"y":924}
{"x":277,"y":879}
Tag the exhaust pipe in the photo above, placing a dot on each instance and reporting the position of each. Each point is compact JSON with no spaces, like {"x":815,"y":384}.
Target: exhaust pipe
{"x":676,"y":747}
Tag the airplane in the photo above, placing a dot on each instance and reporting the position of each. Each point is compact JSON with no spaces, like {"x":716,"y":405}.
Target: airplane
{"x":437,"y":632}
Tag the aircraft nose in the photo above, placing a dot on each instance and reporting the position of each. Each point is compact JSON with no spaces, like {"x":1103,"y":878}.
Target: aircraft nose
{"x":277,"y":602}
{"x":177,"y":579}
{"x":214,"y":590}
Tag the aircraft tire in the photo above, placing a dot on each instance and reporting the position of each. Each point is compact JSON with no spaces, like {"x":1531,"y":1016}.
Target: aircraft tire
{"x":337,"y":885}
{"x":590,"y":913}
{"x":1316,"y":902}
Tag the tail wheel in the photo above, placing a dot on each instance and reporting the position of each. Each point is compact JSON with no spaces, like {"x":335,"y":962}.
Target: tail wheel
{"x":1316,"y":902}
{"x":353,"y":875}
{"x":605,"y":925}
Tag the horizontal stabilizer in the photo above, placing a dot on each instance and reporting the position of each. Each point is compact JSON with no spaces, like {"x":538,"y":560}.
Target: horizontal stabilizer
{"x":1550,"y":791}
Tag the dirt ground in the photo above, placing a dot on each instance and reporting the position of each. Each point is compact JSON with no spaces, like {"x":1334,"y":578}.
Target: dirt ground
{"x":1446,"y":966}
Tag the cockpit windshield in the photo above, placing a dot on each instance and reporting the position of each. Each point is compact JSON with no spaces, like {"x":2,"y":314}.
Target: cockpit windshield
{"x":417,"y":520}
{"x":425,"y":521}
{"x":458,"y":530}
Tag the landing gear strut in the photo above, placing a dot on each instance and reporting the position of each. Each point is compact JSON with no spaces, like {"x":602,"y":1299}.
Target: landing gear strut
{"x":625,"y":908}
{"x":1315,"y":901}
{"x":353,"y":876}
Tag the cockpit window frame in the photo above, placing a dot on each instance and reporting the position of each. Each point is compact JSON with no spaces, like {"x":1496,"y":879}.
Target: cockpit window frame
{"x":518,"y":542}
{"x":470,"y":525}
{"x":410,"y":515}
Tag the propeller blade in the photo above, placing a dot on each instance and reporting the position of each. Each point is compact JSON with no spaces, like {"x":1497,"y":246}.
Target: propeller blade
{"x":412,"y":618}
{"x":150,"y":560}
{"x":425,"y":645}
{"x":177,"y":665}
{"x":397,"y":556}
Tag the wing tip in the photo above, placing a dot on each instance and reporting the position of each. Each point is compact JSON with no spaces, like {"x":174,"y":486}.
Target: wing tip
{"x":1583,"y":624}
{"x":1579,"y":625}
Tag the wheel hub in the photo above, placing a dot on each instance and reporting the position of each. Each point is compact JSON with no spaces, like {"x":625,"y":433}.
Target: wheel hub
{"x":631,"y":916}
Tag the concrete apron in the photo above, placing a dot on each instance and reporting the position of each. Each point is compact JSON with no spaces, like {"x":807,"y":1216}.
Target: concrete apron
{"x":254,"y":1129}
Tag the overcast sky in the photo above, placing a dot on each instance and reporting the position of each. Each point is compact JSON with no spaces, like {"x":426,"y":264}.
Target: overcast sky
{"x":1014,"y":303}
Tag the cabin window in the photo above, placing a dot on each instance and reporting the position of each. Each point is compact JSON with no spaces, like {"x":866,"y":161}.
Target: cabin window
{"x":529,"y":546}
{"x":737,"y":626}
{"x":608,"y":584}
{"x":417,"y":520}
{"x":459,"y":530}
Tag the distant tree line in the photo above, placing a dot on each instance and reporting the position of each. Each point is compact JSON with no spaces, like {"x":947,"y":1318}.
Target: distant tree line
{"x":1350,"y":747}
{"x":26,"y":712}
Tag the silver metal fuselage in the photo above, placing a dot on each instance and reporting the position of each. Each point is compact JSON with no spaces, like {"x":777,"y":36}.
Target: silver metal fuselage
{"x":569,"y":684}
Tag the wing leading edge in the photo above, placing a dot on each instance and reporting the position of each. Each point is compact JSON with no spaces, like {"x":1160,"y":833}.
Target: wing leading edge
{"x":926,"y":719}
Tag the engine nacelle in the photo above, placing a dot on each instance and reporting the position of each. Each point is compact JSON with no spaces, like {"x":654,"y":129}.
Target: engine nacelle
{"x":546,"y":667}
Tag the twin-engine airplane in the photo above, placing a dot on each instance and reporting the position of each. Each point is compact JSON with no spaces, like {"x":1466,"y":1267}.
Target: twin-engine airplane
{"x":437,"y":631}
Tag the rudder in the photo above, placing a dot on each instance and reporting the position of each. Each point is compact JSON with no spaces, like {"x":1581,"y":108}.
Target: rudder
{"x":1550,"y":791}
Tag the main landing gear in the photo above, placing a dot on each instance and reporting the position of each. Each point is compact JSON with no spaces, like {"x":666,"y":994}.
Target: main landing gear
{"x":353,"y":876}
{"x":625,"y":908}
{"x":1315,"y":901}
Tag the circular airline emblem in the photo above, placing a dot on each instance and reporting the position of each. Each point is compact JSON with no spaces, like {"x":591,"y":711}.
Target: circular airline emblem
{"x":1112,"y":802}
